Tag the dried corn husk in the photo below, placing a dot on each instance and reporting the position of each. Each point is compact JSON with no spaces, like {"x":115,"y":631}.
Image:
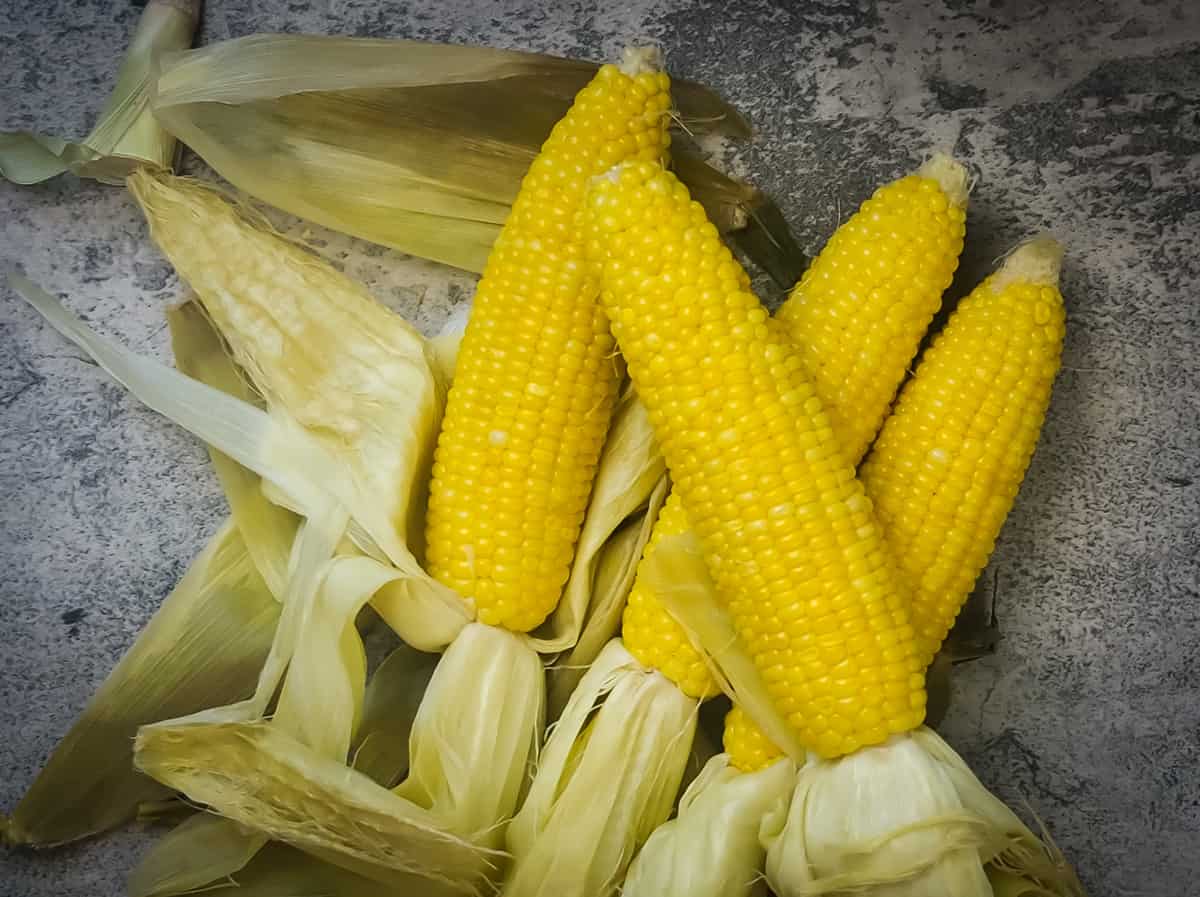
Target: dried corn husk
{"x":413,"y":145}
{"x":205,"y":644}
{"x":607,"y":778}
{"x":712,"y":847}
{"x":126,"y":134}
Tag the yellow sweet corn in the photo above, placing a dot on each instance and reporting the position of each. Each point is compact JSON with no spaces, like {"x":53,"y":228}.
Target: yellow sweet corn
{"x":535,"y":380}
{"x":861,"y":309}
{"x":649,"y":631}
{"x":787,"y":529}
{"x":748,"y":748}
{"x":857,"y":317}
{"x":950,"y":459}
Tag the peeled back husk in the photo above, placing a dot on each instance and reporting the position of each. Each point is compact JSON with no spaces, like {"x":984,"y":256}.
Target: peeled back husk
{"x":126,"y":134}
{"x":903,"y":819}
{"x":413,"y":145}
{"x":713,"y":848}
{"x":357,"y":378}
{"x":607,"y":778}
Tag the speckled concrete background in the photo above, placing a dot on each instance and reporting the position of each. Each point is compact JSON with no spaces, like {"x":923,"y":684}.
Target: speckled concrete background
{"x":1084,"y":122}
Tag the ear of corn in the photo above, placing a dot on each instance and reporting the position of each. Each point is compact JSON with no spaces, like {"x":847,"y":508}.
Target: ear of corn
{"x":856,"y":318}
{"x":951,"y":457}
{"x":534,"y":381}
{"x":861,"y":309}
{"x":712,"y":846}
{"x":787,"y":529}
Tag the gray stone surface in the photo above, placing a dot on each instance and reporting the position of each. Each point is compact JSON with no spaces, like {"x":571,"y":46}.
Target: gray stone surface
{"x":1080,"y":118}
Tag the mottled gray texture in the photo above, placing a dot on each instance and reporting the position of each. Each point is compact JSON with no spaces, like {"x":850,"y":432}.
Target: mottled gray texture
{"x":1084,"y":122}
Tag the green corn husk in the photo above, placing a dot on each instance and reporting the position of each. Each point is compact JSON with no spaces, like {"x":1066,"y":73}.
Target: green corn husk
{"x":417,"y":146}
{"x":712,"y":848}
{"x":205,"y":644}
{"x":126,"y":134}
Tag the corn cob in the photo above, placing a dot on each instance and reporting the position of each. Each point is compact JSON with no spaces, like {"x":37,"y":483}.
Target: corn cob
{"x":950,"y":459}
{"x":535,"y":385}
{"x":748,"y":748}
{"x":787,"y":529}
{"x":856,"y":317}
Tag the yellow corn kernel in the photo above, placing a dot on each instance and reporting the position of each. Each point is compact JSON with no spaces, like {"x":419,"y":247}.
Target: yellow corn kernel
{"x":950,"y":458}
{"x":535,"y":383}
{"x":788,"y":532}
{"x":748,"y":747}
{"x":649,"y":631}
{"x":861,"y":309}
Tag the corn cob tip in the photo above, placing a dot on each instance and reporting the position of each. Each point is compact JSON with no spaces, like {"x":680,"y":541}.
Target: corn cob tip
{"x":950,"y":174}
{"x":1037,"y":260}
{"x":640,"y":60}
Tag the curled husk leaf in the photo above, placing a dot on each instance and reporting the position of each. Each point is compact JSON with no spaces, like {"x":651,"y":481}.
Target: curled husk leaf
{"x":606,"y":779}
{"x":928,"y":828}
{"x":126,"y":134}
{"x":713,"y":848}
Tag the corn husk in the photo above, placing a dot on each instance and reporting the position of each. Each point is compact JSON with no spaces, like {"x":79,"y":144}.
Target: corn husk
{"x":413,"y":145}
{"x":629,"y":488}
{"x":929,"y":828}
{"x":205,"y":644}
{"x":713,"y":848}
{"x":295,"y":795}
{"x":607,"y":778}
{"x":469,"y":765}
{"x":126,"y":134}
{"x":269,"y":530}
{"x":208,"y":849}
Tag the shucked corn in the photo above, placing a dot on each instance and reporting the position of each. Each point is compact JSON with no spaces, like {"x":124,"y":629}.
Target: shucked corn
{"x":951,"y":457}
{"x":788,"y":532}
{"x":748,"y":747}
{"x":535,"y":380}
{"x":856,"y":317}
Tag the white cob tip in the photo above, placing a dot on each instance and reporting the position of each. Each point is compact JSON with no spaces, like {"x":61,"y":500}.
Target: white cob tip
{"x":950,"y":174}
{"x":1037,"y":260}
{"x":639,"y":60}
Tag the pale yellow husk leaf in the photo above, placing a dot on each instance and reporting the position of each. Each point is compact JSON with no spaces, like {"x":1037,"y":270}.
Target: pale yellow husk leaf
{"x":712,"y":848}
{"x":607,"y":778}
{"x":208,"y":849}
{"x":259,"y":776}
{"x":270,"y":530}
{"x":126,"y":134}
{"x":902,"y":819}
